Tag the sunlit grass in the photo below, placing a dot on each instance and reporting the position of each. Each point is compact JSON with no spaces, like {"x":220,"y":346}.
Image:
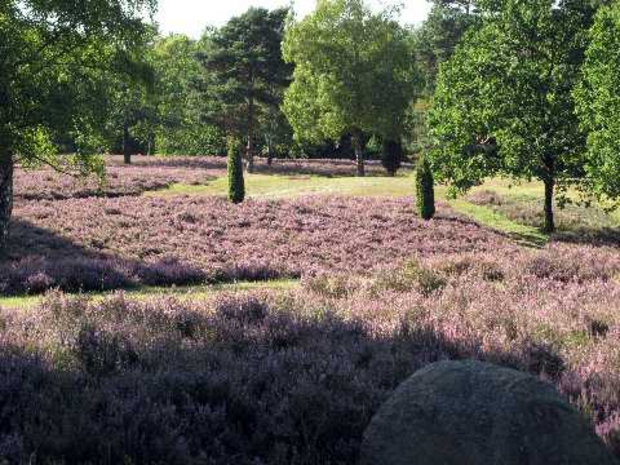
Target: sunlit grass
{"x":261,"y":186}
{"x":182,"y":292}
{"x":528,"y":235}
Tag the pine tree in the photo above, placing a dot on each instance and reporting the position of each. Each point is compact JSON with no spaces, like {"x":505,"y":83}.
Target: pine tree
{"x":236,"y":184}
{"x":425,"y":190}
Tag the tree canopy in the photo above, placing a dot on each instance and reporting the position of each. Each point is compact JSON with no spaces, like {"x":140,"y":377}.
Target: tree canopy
{"x":599,"y":106}
{"x":247,"y":71}
{"x":504,"y":103}
{"x":51,"y":53}
{"x":353,"y":74}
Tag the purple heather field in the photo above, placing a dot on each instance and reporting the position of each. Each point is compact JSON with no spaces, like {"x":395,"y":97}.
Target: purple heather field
{"x":281,"y":376}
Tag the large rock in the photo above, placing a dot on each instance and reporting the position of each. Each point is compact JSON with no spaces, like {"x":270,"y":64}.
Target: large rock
{"x":473,"y":413}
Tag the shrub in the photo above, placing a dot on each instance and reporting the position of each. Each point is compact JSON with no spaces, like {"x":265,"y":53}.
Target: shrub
{"x":236,"y":184}
{"x":425,"y":194}
{"x":392,"y":156}
{"x":411,"y":276}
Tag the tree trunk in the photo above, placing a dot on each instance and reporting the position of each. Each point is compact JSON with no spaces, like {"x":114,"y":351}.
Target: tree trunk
{"x":549,"y":218}
{"x":249,"y":154}
{"x":6,"y":195}
{"x":126,"y":144}
{"x":250,"y":147}
{"x":270,"y":151}
{"x":358,"y":143}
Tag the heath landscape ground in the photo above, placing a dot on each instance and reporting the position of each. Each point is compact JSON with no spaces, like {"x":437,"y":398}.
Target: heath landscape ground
{"x":148,"y":320}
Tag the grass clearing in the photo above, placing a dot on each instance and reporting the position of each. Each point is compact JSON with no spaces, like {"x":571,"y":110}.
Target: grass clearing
{"x":262,"y":186}
{"x":526,"y":235}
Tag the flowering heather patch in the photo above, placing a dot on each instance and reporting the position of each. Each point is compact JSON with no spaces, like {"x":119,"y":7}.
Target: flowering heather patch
{"x":132,"y":180}
{"x":124,"y":239}
{"x":314,"y":167}
{"x":294,"y":378}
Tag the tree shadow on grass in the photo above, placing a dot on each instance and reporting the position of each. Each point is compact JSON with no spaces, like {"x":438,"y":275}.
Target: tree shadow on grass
{"x":162,"y":382}
{"x":599,"y":237}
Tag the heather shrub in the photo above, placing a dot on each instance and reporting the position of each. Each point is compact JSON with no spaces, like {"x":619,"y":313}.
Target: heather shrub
{"x":335,"y":286}
{"x":485,"y":267}
{"x":542,"y":359}
{"x":409,"y":277}
{"x":169,"y":271}
{"x":248,"y":311}
{"x":101,"y":352}
{"x":425,"y":189}
{"x":281,"y":378}
{"x":75,"y":245}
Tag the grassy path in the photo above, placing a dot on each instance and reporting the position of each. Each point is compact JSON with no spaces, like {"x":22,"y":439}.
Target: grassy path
{"x":263,"y":186}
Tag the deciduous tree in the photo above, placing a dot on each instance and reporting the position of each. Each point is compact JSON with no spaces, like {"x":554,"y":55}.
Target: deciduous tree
{"x":504,"y":103}
{"x":353,"y":74}
{"x":598,"y":104}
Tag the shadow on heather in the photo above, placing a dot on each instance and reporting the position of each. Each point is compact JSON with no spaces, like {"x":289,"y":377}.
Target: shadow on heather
{"x":246,"y":383}
{"x":37,"y":260}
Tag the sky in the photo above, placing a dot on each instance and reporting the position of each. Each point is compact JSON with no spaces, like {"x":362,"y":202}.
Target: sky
{"x":192,"y":16}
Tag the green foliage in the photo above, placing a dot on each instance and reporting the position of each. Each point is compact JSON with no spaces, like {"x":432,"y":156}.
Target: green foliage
{"x":437,"y":38}
{"x":392,"y":156}
{"x":503,"y":103}
{"x":353,"y":73}
{"x":247,"y":74}
{"x":181,"y":99}
{"x":425,"y":189}
{"x":51,"y":85}
{"x":598,"y":104}
{"x":236,"y":183}
{"x":131,"y":112}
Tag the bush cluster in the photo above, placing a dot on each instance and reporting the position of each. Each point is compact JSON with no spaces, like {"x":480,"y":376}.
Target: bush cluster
{"x":425,"y":189}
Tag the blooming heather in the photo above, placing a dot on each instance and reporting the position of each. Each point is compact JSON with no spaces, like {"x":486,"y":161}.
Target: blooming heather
{"x":294,"y":377}
{"x":255,"y":240}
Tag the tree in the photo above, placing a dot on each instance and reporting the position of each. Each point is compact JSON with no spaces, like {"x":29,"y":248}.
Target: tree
{"x":435,"y":41}
{"x":50,"y":56}
{"x":130,"y":103}
{"x":425,"y":189}
{"x":181,"y":98}
{"x":598,"y":104}
{"x":247,"y":69}
{"x":353,"y":74}
{"x":504,"y":104}
{"x":236,"y":183}
{"x":392,"y":156}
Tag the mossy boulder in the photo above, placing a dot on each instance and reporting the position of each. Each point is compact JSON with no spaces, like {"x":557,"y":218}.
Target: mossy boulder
{"x":474,"y":413}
